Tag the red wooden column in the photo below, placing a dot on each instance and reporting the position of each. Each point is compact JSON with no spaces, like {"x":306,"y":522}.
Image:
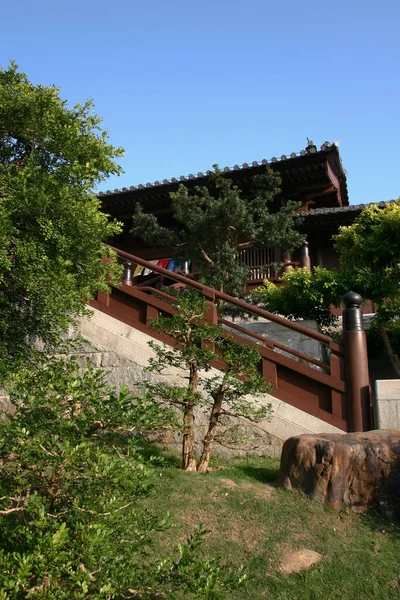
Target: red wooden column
{"x":356,"y":364}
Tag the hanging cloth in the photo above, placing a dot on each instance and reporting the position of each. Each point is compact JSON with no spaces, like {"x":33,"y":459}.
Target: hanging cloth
{"x":138,"y":271}
{"x":171,"y":264}
{"x":148,"y":271}
{"x":163,"y":262}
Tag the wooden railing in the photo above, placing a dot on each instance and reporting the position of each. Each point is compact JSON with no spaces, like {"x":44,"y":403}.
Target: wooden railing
{"x":301,"y":380}
{"x":259,"y":261}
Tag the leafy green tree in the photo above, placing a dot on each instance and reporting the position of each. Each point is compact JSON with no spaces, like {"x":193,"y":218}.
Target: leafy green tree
{"x":369,"y":252}
{"x":72,"y":478}
{"x":214,"y":221}
{"x":51,"y":228}
{"x":233,"y":391}
{"x":369,"y":255}
{"x":303,"y":295}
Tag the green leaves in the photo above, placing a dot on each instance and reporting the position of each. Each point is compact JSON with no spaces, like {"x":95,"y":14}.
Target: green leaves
{"x":211,"y":222}
{"x":72,"y":478}
{"x":369,"y":252}
{"x":304,"y":295}
{"x":51,"y":227}
{"x":234,"y":390}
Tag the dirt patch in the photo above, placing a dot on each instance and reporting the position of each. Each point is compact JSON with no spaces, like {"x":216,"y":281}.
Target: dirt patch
{"x":229,"y":483}
{"x":261,"y":490}
{"x":196,"y":515}
{"x":297,"y":560}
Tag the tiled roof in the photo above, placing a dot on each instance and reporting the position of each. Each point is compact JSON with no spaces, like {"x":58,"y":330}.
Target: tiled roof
{"x":343,"y":209}
{"x":311,"y":149}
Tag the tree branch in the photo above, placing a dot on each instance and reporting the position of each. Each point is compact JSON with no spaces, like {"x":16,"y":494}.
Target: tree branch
{"x":206,"y":257}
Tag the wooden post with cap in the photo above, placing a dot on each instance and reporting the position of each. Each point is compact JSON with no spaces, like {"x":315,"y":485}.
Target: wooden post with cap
{"x":356,"y":364}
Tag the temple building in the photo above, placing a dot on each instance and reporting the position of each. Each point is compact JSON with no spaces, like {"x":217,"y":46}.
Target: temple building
{"x":315,"y":178}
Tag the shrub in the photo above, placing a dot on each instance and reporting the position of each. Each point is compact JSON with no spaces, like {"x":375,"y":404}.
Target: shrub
{"x":72,"y":477}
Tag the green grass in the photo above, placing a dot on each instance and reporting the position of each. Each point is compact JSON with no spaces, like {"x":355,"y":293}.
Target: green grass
{"x":252,"y":522}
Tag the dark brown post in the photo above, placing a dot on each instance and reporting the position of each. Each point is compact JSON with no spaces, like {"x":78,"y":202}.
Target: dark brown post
{"x":356,"y":364}
{"x":305,"y":257}
{"x":127,"y":274}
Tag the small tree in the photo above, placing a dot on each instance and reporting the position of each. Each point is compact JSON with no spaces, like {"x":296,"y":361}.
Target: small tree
{"x":51,"y":226}
{"x":227,"y":393}
{"x":369,"y":252}
{"x":213,"y":222}
{"x":369,"y":255}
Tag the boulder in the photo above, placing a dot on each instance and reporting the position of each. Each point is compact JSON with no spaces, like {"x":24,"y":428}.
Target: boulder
{"x":344,"y":470}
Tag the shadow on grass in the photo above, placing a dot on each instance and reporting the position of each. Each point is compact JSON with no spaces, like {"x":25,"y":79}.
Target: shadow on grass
{"x":385,"y":520}
{"x":157,"y":454}
{"x":262,"y":474}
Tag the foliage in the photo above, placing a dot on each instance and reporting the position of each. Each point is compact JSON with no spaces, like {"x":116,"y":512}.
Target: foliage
{"x":369,"y":264}
{"x":303,"y":295}
{"x":230,"y":392}
{"x":51,"y":228}
{"x":72,"y":478}
{"x":369,"y":256}
{"x":376,"y":348}
{"x":370,"y":261}
{"x":213,"y":222}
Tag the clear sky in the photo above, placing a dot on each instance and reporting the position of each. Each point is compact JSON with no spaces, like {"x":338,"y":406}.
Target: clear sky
{"x":184,"y":84}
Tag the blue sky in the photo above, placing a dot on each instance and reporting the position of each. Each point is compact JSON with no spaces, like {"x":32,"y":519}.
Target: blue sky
{"x":184,"y":84}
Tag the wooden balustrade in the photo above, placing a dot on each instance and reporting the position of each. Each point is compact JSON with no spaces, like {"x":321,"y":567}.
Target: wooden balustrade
{"x":299,"y":379}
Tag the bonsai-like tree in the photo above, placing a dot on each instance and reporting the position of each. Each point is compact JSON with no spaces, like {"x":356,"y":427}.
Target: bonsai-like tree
{"x":233,"y":391}
{"x":214,"y":221}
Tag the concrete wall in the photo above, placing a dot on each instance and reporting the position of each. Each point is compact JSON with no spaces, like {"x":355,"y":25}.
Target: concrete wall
{"x":124,"y":352}
{"x":387,"y":404}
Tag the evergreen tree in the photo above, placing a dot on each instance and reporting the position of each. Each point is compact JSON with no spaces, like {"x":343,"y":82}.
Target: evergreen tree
{"x":214,"y":221}
{"x":233,"y":391}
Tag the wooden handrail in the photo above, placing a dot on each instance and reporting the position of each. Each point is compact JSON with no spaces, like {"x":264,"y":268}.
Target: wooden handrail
{"x":213,"y":294}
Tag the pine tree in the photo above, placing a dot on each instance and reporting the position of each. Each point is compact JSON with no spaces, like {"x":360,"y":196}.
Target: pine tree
{"x":214,"y":221}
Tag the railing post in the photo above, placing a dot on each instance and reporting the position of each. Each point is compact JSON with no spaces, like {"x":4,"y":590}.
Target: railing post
{"x":287,"y":260}
{"x":305,"y":261}
{"x":356,"y":364}
{"x":127,"y":274}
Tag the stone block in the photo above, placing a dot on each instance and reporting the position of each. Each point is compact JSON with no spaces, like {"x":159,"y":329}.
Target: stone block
{"x":387,"y":403}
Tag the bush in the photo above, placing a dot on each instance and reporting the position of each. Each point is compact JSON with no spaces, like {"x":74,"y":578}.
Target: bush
{"x":303,"y":295}
{"x":72,"y":477}
{"x":376,"y":347}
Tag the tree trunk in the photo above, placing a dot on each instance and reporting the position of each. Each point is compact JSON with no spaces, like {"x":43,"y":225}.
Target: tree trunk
{"x":208,"y":441}
{"x":394,"y":359}
{"x":188,"y":446}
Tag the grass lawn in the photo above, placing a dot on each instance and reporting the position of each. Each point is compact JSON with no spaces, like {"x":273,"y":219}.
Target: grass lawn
{"x":252,"y":522}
